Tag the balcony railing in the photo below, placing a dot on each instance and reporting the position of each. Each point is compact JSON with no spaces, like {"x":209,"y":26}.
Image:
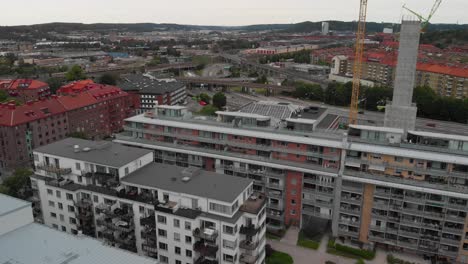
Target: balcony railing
{"x":205,"y":233}
{"x":248,"y":245}
{"x":149,"y":248}
{"x":248,"y":259}
{"x":249,"y":230}
{"x":203,"y":260}
{"x":53,"y":169}
{"x":148,"y":221}
{"x":205,"y":249}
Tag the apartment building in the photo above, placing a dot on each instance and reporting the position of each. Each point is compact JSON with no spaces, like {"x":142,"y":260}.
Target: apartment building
{"x":375,"y":185}
{"x":152,"y":91}
{"x":120,"y":196}
{"x":97,"y":113}
{"x":25,"y":89}
{"x":23,"y":241}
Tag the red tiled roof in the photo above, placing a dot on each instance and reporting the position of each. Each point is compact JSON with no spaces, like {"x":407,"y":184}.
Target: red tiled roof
{"x":443,"y":69}
{"x":74,"y":87}
{"x":26,"y":84}
{"x":11,"y":115}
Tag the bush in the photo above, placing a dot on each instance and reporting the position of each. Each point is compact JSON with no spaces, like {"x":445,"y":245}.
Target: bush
{"x":205,"y":98}
{"x":304,"y":241}
{"x":279,"y":258}
{"x":360,"y":261}
{"x":208,"y":110}
{"x":219,"y":100}
{"x":365,"y":254}
{"x":268,"y":250}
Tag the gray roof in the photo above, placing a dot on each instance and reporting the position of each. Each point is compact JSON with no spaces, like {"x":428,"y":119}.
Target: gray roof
{"x":203,"y":183}
{"x":100,"y":152}
{"x":10,"y":204}
{"x":35,"y":243}
{"x":146,"y":85}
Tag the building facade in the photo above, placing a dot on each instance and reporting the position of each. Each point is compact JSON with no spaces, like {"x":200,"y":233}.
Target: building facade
{"x":375,"y":186}
{"x":120,"y":196}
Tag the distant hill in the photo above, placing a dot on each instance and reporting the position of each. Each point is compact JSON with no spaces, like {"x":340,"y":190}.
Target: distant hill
{"x":41,"y":30}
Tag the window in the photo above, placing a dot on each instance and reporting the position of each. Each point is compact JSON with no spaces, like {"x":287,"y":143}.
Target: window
{"x":55,"y":226}
{"x":188,"y":253}
{"x":293,"y":212}
{"x":162,"y":246}
{"x":126,"y":171}
{"x":162,"y":232}
{"x":62,"y":218}
{"x":60,"y":206}
{"x":95,"y":198}
{"x":229,"y":244}
{"x":177,"y":250}
{"x":176,"y":223}
{"x":293,"y":202}
{"x":220,"y":208}
{"x":51,"y":204}
{"x":80,"y":179}
{"x":58,"y":194}
{"x":53,"y":215}
{"x":293,"y":181}
{"x":36,"y":157}
{"x":178,"y":261}
{"x":71,"y":208}
{"x":228,"y":258}
{"x":293,"y":192}
{"x":161,"y":219}
{"x":64,"y":229}
{"x":69,"y":196}
{"x":176,"y":237}
{"x":228,"y":229}
{"x":78,"y":166}
{"x":72,"y":220}
{"x":188,"y":239}
{"x":188,"y":226}
{"x":50,"y":192}
{"x":163,"y":259}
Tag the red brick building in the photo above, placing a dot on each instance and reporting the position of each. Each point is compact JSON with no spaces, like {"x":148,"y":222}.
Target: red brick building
{"x":98,"y":112}
{"x":26,"y":89}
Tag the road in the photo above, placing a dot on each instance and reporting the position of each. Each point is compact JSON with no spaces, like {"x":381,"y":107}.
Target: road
{"x":217,"y":70}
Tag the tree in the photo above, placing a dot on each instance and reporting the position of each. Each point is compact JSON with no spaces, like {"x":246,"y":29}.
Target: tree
{"x":219,"y":100}
{"x":75,"y":73}
{"x":3,"y":95}
{"x":17,"y":185}
{"x":262,"y":79}
{"x":308,"y":91}
{"x":54,"y":84}
{"x":109,"y":79}
{"x":208,"y":110}
{"x":205,"y":98}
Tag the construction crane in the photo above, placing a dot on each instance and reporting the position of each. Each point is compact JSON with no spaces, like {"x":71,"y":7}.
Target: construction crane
{"x":357,"y":67}
{"x":425,"y":21}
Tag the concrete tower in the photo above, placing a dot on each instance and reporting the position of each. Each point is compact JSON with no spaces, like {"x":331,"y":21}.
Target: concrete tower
{"x":325,"y":28}
{"x":401,"y":113}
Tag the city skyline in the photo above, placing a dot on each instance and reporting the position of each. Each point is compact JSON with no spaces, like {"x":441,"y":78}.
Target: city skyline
{"x":222,"y":14}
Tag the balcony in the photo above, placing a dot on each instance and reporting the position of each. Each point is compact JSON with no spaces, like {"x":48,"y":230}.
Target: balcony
{"x":249,"y":230}
{"x":149,"y":248}
{"x":274,"y":185}
{"x":205,"y":233}
{"x":248,"y":259}
{"x":254,"y":204}
{"x":205,"y":249}
{"x":203,"y":260}
{"x":53,"y":169}
{"x":148,"y":221}
{"x":148,"y":233}
{"x":85,"y":204}
{"x":248,"y":245}
{"x":450,"y":241}
{"x":449,"y":253}
{"x":276,"y":206}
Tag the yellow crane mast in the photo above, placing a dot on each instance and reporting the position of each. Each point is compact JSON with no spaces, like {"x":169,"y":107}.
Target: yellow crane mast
{"x":357,"y":67}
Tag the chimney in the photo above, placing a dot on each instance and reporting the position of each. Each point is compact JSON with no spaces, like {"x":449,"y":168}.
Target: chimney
{"x":11,"y":106}
{"x":76,"y":148}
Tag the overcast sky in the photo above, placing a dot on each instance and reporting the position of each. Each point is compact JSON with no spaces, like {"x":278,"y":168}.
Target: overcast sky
{"x":218,"y":12}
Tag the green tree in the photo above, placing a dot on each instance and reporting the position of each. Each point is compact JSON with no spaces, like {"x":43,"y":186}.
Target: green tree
{"x":17,"y":185}
{"x":205,"y":98}
{"x":219,"y":100}
{"x":208,"y":110}
{"x":262,"y":79}
{"x":308,"y":91}
{"x":54,"y":83}
{"x":3,"y":95}
{"x":109,"y":79}
{"x":75,"y":73}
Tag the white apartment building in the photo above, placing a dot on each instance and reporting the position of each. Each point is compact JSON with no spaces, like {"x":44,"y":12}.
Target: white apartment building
{"x":177,"y":215}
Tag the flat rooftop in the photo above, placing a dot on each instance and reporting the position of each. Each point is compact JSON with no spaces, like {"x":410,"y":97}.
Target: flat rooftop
{"x":98,"y":152}
{"x":148,"y":85}
{"x":37,"y":244}
{"x":10,"y":204}
{"x":202,"y":183}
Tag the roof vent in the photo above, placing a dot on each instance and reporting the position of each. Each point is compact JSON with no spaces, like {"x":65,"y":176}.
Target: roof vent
{"x":87,"y":149}
{"x":186,"y":179}
{"x":76,"y":148}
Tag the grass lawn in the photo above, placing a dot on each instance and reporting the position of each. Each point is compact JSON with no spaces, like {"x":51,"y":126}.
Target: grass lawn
{"x":279,"y":258}
{"x":303,"y":241}
{"x":272,"y":236}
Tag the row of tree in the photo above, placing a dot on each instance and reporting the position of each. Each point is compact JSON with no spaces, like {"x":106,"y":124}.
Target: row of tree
{"x":302,"y":56}
{"x":430,"y":105}
{"x":18,"y":185}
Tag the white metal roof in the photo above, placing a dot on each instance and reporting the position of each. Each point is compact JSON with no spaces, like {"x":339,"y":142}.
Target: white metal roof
{"x":173,"y":107}
{"x":35,"y":243}
{"x":241,"y":114}
{"x":302,"y":121}
{"x":438,"y":135}
{"x":238,"y":131}
{"x":379,"y":129}
{"x":9,"y":204}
